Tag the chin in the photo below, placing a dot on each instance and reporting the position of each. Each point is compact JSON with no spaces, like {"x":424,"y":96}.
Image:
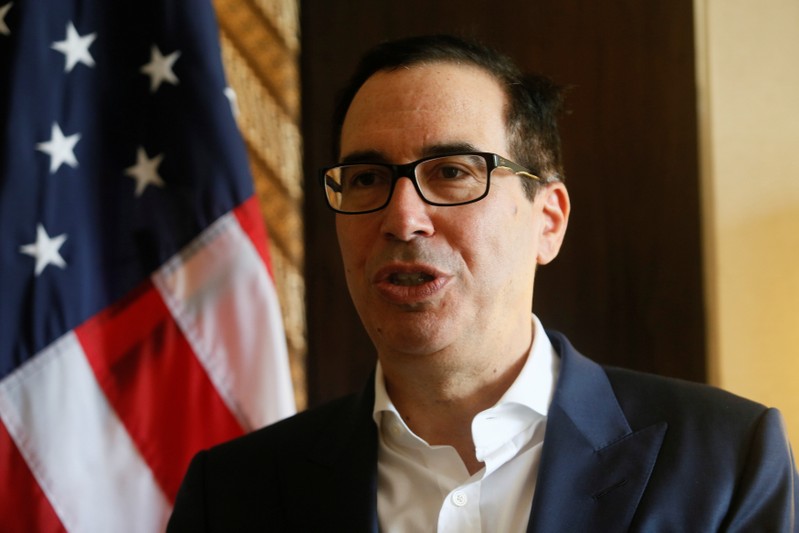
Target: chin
{"x":410,"y":337}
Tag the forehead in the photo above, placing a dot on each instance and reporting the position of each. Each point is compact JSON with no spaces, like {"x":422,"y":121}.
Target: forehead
{"x":405,"y":113}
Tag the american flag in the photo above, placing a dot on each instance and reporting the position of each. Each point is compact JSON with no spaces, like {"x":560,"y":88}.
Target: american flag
{"x":138,"y":317}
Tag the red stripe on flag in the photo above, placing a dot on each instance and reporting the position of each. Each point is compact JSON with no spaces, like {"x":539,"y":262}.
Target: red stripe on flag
{"x":156,"y":385}
{"x":23,"y":505}
{"x":251,"y":221}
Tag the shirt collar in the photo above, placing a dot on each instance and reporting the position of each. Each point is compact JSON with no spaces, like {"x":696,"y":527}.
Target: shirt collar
{"x":535,"y":383}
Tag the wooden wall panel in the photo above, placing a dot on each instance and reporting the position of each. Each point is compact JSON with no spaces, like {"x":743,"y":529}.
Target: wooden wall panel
{"x":260,"y":50}
{"x":627,"y":288}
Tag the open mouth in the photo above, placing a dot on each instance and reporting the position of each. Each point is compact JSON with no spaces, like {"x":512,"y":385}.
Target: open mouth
{"x":410,"y":284}
{"x":409,"y":279}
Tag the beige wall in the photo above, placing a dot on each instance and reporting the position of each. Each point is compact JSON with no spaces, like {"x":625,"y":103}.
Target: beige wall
{"x":748,"y":71}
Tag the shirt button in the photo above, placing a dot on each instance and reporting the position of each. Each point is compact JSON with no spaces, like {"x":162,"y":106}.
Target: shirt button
{"x":459,"y":499}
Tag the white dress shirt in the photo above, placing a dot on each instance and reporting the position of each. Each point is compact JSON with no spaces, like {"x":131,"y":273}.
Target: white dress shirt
{"x":423,"y":488}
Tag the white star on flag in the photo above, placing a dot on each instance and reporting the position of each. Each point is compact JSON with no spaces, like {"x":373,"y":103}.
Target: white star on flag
{"x":60,"y":148}
{"x":75,"y":48}
{"x":230,"y":94}
{"x":141,"y":269}
{"x":45,"y":250}
{"x":3,"y":10}
{"x":160,"y":68}
{"x":145,"y":171}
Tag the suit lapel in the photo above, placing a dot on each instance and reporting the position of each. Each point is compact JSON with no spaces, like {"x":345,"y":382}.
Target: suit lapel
{"x":594,"y":466}
{"x":340,"y":475}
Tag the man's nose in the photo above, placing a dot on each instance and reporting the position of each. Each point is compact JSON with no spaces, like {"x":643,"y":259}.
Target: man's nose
{"x":407,"y":215}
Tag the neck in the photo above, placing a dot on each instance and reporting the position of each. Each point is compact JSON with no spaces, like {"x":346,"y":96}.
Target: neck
{"x":438,"y":395}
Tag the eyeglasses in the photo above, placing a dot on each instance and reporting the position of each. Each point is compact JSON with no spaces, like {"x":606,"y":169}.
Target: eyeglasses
{"x":452,"y":179}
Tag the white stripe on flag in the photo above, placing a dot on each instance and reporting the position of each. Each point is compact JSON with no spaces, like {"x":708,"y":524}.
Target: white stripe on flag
{"x":222,"y":297}
{"x":76,"y":447}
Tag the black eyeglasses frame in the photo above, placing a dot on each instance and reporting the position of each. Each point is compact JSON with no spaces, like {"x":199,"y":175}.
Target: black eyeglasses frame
{"x":408,"y":170}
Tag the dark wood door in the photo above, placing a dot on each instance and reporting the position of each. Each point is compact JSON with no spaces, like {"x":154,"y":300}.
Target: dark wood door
{"x":627,"y":287}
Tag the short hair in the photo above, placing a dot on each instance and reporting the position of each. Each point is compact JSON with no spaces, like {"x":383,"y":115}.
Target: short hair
{"x":534,"y":102}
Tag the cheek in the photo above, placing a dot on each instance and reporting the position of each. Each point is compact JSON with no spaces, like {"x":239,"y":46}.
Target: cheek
{"x":512,"y":226}
{"x":512,"y":246}
{"x":350,"y":245}
{"x":485,"y":247}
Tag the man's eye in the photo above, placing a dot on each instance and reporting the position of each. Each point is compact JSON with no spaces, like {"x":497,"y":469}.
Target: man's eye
{"x":450,"y":173}
{"x":364,"y":179}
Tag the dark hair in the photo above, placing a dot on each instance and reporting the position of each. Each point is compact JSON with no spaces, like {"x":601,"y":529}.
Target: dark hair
{"x":534,"y":101}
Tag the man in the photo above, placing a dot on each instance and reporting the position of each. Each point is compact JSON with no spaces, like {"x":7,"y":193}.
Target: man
{"x":449,"y":193}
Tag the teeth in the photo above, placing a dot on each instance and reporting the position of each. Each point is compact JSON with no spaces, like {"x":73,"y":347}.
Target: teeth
{"x":410,"y":278}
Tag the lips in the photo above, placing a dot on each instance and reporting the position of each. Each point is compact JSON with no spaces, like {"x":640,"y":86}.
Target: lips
{"x":406,"y":284}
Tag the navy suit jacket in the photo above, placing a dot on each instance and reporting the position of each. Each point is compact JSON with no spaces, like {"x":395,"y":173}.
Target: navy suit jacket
{"x":623,"y":451}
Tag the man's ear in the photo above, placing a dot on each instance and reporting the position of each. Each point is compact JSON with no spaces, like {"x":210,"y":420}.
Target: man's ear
{"x":555,"y":207}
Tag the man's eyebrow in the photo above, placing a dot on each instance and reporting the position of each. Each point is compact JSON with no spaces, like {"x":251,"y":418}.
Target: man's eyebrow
{"x":364,"y":156}
{"x":376,"y":156}
{"x":449,"y":148}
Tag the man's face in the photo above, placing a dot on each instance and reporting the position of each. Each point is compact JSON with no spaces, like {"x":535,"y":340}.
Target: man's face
{"x":425,"y":278}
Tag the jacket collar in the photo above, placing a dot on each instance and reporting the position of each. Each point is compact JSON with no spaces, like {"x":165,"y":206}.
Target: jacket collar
{"x":594,"y":466}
